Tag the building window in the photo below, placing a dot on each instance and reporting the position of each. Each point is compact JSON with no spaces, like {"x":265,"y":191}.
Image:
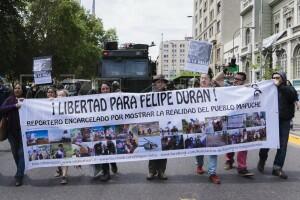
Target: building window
{"x":200,"y":13}
{"x":218,"y":54}
{"x":205,"y":22}
{"x":205,"y":36}
{"x":218,"y":26}
{"x":196,"y":5}
{"x":211,"y":2}
{"x":248,"y":36}
{"x":276,"y":28}
{"x":289,"y":22}
{"x":282,"y":61}
{"x":196,"y":32}
{"x":219,"y":7}
{"x":211,"y":31}
{"x":205,"y":6}
{"x":297,"y":63}
{"x":211,"y":15}
{"x":166,"y":46}
{"x":200,"y":27}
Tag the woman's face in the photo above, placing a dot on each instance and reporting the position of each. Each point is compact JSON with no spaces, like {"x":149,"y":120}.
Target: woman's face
{"x":50,"y":93}
{"x":60,"y":94}
{"x":105,"y":88}
{"x":18,"y":90}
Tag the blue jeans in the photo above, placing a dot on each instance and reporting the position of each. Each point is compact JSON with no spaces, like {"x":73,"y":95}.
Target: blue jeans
{"x":212,"y":163}
{"x":18,"y":154}
{"x":284,"y":129}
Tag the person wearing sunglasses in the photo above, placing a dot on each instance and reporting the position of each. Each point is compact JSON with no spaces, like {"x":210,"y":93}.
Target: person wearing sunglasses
{"x":286,"y":108}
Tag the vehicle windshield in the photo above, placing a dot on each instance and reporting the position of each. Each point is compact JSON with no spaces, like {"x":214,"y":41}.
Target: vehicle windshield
{"x":127,"y":68}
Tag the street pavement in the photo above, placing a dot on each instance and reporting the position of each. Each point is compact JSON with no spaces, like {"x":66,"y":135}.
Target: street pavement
{"x":131,"y":183}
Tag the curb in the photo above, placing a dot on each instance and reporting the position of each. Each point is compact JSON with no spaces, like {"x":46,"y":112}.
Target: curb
{"x":294,"y":139}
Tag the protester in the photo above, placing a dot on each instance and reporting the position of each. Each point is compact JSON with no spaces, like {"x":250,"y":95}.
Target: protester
{"x":102,"y":170}
{"x":158,"y":167}
{"x":9,"y":109}
{"x":239,"y":79}
{"x":286,"y":107}
{"x":51,"y":92}
{"x":206,"y":80}
{"x":62,"y":171}
{"x":4,"y":93}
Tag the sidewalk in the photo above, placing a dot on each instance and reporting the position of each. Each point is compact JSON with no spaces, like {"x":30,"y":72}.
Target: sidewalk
{"x":4,"y":146}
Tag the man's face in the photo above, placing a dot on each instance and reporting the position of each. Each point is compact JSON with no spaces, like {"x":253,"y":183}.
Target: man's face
{"x":277,"y":79}
{"x":85,"y":133}
{"x":238,"y":80}
{"x":204,"y":80}
{"x":160,"y":85}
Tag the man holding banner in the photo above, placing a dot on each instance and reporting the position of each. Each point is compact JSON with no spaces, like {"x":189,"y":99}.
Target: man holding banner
{"x":158,"y":167}
{"x":286,"y":99}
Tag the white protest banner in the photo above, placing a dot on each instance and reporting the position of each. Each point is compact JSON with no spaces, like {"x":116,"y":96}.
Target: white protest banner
{"x":120,"y":127}
{"x":42,"y":67}
{"x":198,"y":58}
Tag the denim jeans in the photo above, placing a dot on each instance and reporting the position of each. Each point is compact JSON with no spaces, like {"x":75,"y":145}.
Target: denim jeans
{"x":18,"y":154}
{"x":212,"y":163}
{"x":284,"y":129}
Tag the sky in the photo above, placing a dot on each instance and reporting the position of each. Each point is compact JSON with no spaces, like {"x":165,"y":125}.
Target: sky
{"x":144,"y":21}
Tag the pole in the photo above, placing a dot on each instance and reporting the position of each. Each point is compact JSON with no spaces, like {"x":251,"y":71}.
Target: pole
{"x":161,"y":54}
{"x":261,"y":37}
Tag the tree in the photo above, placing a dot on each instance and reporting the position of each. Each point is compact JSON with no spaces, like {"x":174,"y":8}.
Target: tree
{"x":12,"y":38}
{"x":58,"y":28}
{"x":74,"y":38}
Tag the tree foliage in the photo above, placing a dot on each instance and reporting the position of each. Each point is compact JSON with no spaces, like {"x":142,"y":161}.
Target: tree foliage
{"x":61,"y":29}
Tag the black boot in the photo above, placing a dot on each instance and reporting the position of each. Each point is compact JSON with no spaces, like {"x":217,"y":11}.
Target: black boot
{"x":261,"y":166}
{"x":19,"y":181}
{"x":279,"y":173}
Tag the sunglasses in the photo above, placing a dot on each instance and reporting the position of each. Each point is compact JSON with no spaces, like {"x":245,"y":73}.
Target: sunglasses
{"x":276,"y":77}
{"x":238,"y":79}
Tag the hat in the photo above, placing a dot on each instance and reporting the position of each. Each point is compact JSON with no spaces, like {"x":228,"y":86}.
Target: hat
{"x":159,"y":77}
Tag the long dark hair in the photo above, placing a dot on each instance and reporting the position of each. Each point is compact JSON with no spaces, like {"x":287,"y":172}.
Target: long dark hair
{"x":24,"y":90}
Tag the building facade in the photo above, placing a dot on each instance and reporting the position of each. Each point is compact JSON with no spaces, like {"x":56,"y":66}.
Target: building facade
{"x":172,"y":56}
{"x":275,"y":41}
{"x":216,"y":21}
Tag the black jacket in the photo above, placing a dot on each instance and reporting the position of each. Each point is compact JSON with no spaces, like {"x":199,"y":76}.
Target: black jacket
{"x":287,"y":96}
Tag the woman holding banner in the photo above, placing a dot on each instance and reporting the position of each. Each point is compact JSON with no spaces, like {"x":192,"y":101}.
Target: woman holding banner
{"x":206,"y":80}
{"x":9,"y":110}
{"x":102,"y":170}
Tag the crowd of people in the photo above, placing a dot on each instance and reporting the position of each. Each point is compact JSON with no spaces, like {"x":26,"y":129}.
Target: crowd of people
{"x":287,"y":97}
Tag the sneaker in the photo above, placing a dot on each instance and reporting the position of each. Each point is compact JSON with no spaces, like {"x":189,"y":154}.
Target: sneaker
{"x":215,"y":179}
{"x":98,"y":173}
{"x":114,"y":168}
{"x":261,"y":166}
{"x":58,"y":173}
{"x":64,"y":180}
{"x":228,"y":166}
{"x":105,"y":177}
{"x":150,"y":176}
{"x":245,"y":173}
{"x":279,"y":173}
{"x":200,"y":170}
{"x":162,"y":176}
{"x":19,"y":181}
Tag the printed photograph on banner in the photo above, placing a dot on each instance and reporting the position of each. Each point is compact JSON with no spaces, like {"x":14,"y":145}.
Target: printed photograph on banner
{"x":146,"y":144}
{"x":105,"y":147}
{"x":168,"y":128}
{"x":256,"y":134}
{"x":193,"y":126}
{"x":126,"y":146}
{"x":255,"y":119}
{"x":59,"y":136}
{"x":144,"y":129}
{"x":61,"y":150}
{"x":79,"y":135}
{"x":214,"y":124}
{"x":98,"y":133}
{"x":236,"y":121}
{"x":172,"y":142}
{"x":236,"y":136}
{"x":37,"y":137}
{"x":83,"y":149}
{"x":195,"y":140}
{"x":216,"y":139}
{"x":40,"y":152}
